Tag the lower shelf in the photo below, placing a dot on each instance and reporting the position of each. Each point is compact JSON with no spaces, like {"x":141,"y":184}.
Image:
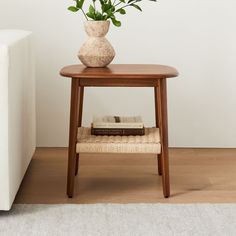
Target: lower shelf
{"x":148,"y":143}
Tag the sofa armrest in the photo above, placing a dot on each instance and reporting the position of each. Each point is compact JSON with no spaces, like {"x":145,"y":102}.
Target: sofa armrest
{"x":17,"y":111}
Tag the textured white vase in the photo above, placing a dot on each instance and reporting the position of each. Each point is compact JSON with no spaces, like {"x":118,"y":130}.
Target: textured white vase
{"x":96,"y":51}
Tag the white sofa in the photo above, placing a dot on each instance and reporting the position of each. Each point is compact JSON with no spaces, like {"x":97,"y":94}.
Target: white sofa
{"x":17,"y":111}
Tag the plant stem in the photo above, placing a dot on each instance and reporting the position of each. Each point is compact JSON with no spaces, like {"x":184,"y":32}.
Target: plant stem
{"x":101,"y":7}
{"x":128,"y":5}
{"x":117,"y":4}
{"x":94,"y":6}
{"x":84,"y":14}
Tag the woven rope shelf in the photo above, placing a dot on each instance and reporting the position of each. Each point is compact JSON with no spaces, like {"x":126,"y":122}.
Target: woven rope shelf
{"x":148,"y":143}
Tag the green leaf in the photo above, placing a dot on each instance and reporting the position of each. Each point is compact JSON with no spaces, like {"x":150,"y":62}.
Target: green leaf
{"x":98,"y":16}
{"x":136,"y":6}
{"x":121,"y":11}
{"x":106,"y":7}
{"x":106,"y":17}
{"x":122,"y":1}
{"x":73,"y":9}
{"x":116,"y":22}
{"x":92,"y":16}
{"x":110,"y":13}
{"x":80,"y":3}
{"x":91,"y":10}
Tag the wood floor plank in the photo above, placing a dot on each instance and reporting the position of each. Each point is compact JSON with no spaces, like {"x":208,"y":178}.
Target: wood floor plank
{"x":197,"y":176}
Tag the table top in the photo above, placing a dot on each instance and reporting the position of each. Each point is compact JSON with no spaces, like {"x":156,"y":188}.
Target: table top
{"x":129,"y":71}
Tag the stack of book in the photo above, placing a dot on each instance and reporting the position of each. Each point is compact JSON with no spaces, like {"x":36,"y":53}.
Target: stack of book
{"x":117,"y":125}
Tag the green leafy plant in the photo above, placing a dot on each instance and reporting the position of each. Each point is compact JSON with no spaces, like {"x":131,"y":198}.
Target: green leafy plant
{"x":100,"y":10}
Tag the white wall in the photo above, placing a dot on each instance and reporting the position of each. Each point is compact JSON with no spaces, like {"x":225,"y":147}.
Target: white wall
{"x":196,"y":36}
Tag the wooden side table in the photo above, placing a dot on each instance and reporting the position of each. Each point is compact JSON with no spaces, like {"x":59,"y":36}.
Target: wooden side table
{"x":119,"y":76}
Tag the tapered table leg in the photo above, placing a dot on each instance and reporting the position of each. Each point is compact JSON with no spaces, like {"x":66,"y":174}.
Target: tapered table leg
{"x":74,"y":117}
{"x":81,"y":100}
{"x":77,"y":164}
{"x":163,"y":125}
{"x":156,"y":118}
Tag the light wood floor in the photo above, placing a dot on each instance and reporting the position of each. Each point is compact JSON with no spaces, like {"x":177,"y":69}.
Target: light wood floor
{"x":197,"y":175}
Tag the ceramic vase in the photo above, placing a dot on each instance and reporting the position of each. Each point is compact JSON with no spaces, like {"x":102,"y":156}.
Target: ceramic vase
{"x":96,"y":51}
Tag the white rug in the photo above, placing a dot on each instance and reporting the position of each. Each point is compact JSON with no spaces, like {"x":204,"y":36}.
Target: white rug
{"x":120,"y":219}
